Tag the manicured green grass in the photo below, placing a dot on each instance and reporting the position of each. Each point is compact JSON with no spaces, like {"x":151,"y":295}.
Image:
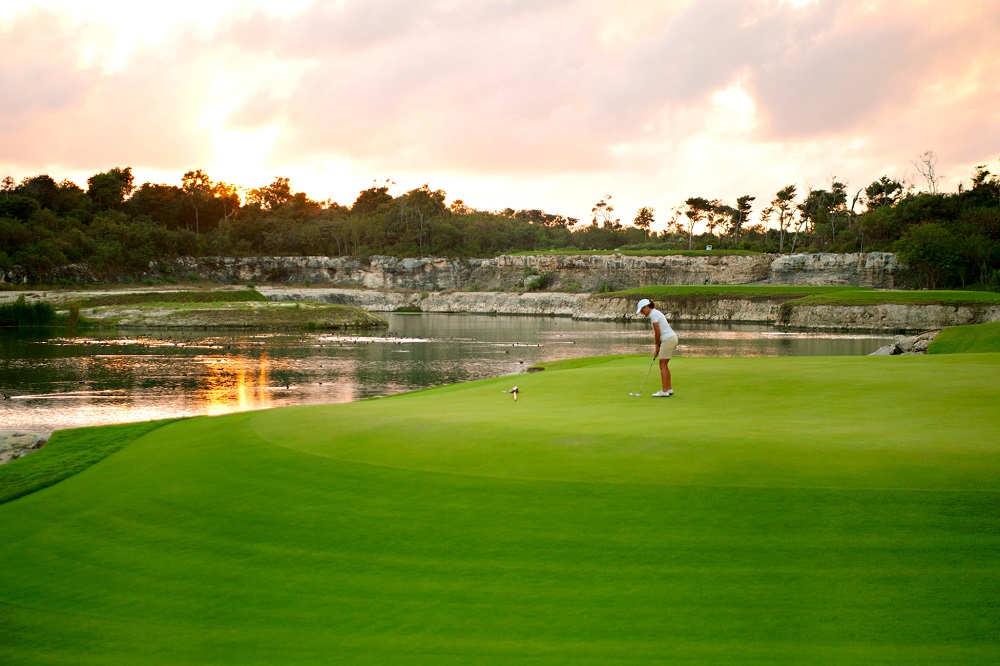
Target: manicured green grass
{"x":775,"y":510}
{"x":67,"y":452}
{"x":882,"y":297}
{"x":977,"y":339}
{"x":711,"y":292}
{"x":802,"y":295}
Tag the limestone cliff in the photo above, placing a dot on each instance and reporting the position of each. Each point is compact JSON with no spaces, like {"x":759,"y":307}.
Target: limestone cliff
{"x":566,"y":273}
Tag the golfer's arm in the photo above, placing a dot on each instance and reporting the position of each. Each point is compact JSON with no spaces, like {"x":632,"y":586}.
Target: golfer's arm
{"x":656,"y":333}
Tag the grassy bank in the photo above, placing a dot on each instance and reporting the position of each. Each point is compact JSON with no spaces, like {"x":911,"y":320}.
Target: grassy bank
{"x":21,"y":313}
{"x":780,"y":510}
{"x":864,"y":297}
{"x":205,"y":308}
{"x":975,"y":339}
{"x":67,"y":453}
{"x":211,"y":308}
{"x":183,"y":296}
{"x":235,"y":315}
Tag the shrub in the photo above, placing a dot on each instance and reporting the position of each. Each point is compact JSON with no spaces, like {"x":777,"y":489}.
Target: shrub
{"x":606,"y":287}
{"x":21,"y":313}
{"x":571,"y":286}
{"x":539,"y":282}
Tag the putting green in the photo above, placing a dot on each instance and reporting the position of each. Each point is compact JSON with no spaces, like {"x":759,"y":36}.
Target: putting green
{"x":779,"y":510}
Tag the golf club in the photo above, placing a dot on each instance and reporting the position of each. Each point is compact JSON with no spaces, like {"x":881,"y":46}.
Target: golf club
{"x":639,"y":394}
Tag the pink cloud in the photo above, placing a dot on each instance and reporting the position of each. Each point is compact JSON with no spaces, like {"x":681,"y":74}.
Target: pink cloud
{"x":78,"y":116}
{"x":526,"y":90}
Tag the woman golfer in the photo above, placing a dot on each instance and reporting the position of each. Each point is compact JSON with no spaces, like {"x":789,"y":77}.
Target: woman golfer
{"x":666,"y":342}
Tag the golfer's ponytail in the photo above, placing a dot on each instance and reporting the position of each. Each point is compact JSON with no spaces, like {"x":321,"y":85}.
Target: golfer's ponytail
{"x":651,"y":303}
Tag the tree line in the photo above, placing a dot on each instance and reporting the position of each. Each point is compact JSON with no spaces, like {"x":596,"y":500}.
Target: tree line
{"x":116,"y":228}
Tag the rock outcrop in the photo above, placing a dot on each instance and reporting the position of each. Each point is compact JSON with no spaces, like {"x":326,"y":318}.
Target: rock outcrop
{"x":869,"y":269}
{"x":579,"y":273}
{"x":564,"y":273}
{"x":16,"y":444}
{"x":888,"y":317}
{"x":530,"y":303}
{"x":914,"y":344}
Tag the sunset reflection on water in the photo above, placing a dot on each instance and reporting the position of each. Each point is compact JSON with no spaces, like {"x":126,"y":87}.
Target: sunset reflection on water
{"x":235,"y":383}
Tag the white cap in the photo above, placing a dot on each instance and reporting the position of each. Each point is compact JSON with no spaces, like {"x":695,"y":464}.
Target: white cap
{"x":643,"y":303}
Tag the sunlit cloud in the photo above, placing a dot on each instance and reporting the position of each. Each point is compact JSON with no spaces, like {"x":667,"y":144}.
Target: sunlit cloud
{"x":503,"y":103}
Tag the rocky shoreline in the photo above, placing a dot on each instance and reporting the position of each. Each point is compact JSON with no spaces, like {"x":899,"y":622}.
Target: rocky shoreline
{"x":914,"y":344}
{"x":885,"y":318}
{"x":16,"y":444}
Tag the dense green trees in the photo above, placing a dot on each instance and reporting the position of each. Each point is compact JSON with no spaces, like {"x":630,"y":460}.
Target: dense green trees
{"x":949,"y":239}
{"x":115,"y":228}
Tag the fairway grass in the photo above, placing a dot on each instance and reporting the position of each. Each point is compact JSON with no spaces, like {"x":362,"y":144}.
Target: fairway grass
{"x":775,"y":510}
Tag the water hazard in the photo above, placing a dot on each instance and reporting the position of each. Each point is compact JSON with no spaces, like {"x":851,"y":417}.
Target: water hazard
{"x":50,"y":383}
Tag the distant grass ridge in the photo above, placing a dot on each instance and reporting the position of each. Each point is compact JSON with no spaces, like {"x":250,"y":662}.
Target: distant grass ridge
{"x":882,"y":297}
{"x":803,"y":296}
{"x":974,"y":339}
{"x":309,"y":315}
{"x":224,"y":308}
{"x":67,"y":452}
{"x":183,"y":296}
{"x":636,"y":252}
{"x":712,"y":292}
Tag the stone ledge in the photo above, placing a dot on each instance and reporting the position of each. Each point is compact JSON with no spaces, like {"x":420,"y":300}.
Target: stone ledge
{"x":914,"y":344}
{"x":16,"y":444}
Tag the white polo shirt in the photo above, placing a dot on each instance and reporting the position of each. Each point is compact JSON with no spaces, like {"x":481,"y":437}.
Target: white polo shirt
{"x":657,"y":317}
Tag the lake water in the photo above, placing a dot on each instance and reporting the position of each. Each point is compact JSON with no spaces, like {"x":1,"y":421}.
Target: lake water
{"x":50,"y":383}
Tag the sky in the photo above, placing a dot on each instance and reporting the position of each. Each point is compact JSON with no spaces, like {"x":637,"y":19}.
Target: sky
{"x":549,"y":104}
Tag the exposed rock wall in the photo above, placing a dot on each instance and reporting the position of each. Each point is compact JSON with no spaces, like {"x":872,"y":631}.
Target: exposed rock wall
{"x":892,"y":318}
{"x":567,"y":273}
{"x":722,"y":310}
{"x":591,"y":272}
{"x":531,"y":303}
{"x":582,"y":273}
{"x":869,"y":269}
{"x":877,"y":318}
{"x":571,"y":273}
